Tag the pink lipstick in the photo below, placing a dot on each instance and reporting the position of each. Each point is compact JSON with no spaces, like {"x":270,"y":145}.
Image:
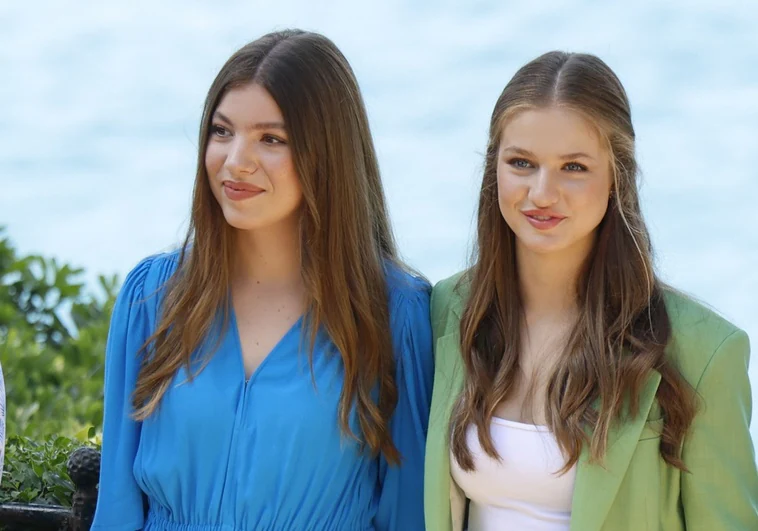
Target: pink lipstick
{"x":543,"y":219}
{"x":239,"y":191}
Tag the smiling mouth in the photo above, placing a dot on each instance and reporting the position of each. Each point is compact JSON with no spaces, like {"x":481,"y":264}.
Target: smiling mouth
{"x":241,"y":186}
{"x":237,"y":191}
{"x":543,"y":221}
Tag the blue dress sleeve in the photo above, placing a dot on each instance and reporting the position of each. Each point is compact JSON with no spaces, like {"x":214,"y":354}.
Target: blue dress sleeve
{"x":120,"y":500}
{"x":401,"y":503}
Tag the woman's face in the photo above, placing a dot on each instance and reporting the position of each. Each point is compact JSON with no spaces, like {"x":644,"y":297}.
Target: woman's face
{"x":249,"y":161}
{"x":554,"y":180}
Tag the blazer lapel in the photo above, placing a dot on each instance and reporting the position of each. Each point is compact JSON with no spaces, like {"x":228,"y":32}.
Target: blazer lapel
{"x":597,"y":484}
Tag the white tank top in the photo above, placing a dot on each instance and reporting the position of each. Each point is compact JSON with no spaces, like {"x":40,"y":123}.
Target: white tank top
{"x":523,"y":489}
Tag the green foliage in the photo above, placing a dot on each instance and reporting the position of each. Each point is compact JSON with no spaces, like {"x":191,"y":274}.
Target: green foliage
{"x":52,"y":345}
{"x":52,"y":350}
{"x":36,"y":471}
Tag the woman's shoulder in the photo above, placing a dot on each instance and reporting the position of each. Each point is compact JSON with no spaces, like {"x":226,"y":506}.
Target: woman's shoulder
{"x":405,"y":286}
{"x":449,"y":295}
{"x":144,"y":286}
{"x":152,"y":272}
{"x":698,"y":333}
{"x":453,"y":288}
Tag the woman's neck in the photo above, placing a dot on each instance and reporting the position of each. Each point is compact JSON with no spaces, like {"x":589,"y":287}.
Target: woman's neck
{"x":548,"y":281}
{"x":269,"y":256}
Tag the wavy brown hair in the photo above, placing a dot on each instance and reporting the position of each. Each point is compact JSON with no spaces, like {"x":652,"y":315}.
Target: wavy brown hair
{"x":346,"y":240}
{"x":623,"y":326}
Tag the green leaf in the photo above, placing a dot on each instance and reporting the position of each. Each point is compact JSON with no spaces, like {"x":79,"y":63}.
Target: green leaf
{"x":53,"y":332}
{"x":36,"y":471}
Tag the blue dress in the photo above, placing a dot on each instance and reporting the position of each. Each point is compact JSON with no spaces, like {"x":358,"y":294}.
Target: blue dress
{"x":266,"y":454}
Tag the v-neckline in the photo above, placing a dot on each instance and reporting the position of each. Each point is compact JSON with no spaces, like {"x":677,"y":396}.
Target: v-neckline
{"x":240,"y":355}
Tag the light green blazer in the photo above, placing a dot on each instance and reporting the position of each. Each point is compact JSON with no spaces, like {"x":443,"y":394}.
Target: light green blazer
{"x":634,"y":490}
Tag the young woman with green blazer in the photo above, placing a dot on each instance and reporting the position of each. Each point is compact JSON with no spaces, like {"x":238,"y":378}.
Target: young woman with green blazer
{"x":573,"y":389}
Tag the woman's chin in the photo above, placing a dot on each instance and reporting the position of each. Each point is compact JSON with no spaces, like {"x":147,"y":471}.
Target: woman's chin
{"x":244,"y":223}
{"x":542,"y":245}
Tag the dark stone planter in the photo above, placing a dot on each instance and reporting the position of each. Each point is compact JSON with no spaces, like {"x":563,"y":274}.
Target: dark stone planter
{"x":84,"y":470}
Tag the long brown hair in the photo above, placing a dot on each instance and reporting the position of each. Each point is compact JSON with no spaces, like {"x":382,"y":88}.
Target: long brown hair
{"x":623,"y":327}
{"x":346,"y":240}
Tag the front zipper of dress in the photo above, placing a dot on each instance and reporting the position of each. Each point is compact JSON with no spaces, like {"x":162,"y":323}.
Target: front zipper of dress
{"x":243,"y":407}
{"x":239,"y":423}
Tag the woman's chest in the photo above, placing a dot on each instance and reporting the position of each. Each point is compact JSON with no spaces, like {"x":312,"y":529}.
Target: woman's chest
{"x":289,"y":392}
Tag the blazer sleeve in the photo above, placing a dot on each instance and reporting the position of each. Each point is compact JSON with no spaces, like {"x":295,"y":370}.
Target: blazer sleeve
{"x":720,"y":491}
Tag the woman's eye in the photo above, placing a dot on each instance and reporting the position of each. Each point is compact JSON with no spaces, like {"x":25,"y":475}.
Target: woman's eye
{"x":521,"y":164}
{"x":575,"y":166}
{"x":272,"y":140}
{"x":219,"y":130}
